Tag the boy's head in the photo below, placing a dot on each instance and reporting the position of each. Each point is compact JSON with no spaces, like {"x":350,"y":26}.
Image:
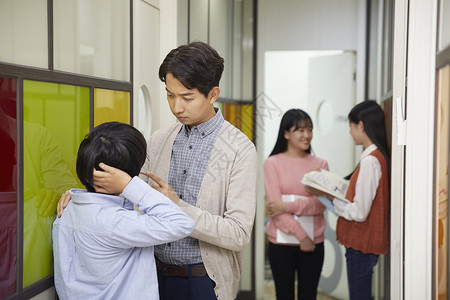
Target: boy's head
{"x":196,"y":65}
{"x":116,"y":144}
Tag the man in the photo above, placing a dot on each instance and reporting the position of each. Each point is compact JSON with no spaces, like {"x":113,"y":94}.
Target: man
{"x":211,"y":172}
{"x":212,"y":167}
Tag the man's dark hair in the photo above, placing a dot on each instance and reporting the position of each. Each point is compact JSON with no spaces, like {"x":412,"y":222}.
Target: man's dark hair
{"x":116,"y":144}
{"x":196,"y":65}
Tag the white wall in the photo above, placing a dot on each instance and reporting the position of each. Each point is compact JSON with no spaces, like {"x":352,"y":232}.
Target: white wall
{"x":419,"y":157}
{"x":155,"y":35}
{"x":309,"y":25}
{"x":168,"y":41}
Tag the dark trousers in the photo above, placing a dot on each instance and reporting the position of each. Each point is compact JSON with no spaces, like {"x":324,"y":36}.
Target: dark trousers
{"x":186,"y":288}
{"x":359,"y":273}
{"x":286,"y":261}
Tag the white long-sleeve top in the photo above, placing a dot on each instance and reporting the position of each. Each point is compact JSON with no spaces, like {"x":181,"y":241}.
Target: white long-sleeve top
{"x":365,"y":190}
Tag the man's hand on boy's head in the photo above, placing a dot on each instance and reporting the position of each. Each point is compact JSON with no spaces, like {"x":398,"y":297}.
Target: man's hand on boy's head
{"x":110,"y":181}
{"x":164,"y":188}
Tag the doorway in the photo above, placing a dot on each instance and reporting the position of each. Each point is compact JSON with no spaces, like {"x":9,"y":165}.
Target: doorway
{"x":322,"y":83}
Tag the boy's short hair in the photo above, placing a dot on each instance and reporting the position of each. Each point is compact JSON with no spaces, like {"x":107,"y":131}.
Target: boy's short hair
{"x":116,"y":144}
{"x":196,"y":65}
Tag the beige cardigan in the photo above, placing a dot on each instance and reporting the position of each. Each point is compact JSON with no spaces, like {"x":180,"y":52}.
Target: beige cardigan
{"x":225,"y":209}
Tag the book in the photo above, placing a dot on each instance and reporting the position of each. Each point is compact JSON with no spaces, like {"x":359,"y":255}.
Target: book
{"x":307,"y":223}
{"x":327,"y":182}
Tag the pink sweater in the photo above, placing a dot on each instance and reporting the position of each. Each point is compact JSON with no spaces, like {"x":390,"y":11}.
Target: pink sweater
{"x":282,"y":175}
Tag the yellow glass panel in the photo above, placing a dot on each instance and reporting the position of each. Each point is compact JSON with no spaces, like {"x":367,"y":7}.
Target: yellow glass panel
{"x":110,"y":105}
{"x":56,"y":118}
{"x":442,"y":148}
{"x":247,"y":120}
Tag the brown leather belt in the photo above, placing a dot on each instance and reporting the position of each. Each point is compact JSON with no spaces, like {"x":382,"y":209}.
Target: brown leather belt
{"x":197,"y":270}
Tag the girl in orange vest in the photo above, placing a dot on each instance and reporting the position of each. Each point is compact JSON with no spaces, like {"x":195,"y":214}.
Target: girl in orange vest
{"x":363,"y":225}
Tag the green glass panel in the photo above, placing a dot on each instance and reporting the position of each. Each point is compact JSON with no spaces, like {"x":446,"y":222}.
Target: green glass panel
{"x":56,"y":118}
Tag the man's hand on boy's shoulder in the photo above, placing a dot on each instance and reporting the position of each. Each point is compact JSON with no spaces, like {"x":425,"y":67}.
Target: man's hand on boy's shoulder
{"x":62,"y":203}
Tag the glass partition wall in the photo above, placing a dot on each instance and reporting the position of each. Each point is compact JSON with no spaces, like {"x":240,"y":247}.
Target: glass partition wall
{"x":442,"y":131}
{"x":64,"y":67}
{"x":441,"y":182}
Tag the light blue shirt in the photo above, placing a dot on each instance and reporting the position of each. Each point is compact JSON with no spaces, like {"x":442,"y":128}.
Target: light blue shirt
{"x":103,"y":249}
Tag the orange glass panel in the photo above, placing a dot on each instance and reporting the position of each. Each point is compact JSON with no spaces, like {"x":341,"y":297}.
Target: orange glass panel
{"x":110,"y":105}
{"x":239,"y":115}
{"x":441,"y":189}
{"x":229,"y":113}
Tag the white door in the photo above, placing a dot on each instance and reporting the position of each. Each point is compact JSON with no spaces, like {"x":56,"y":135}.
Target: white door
{"x":331,"y":96}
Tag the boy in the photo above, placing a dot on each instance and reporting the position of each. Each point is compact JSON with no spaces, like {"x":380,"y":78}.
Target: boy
{"x":103,"y":248}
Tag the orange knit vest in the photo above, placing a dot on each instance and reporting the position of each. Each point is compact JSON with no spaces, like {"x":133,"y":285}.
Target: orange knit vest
{"x":372,"y":235}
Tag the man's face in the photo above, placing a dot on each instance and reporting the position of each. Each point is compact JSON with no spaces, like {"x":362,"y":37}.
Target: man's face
{"x":189,"y":105}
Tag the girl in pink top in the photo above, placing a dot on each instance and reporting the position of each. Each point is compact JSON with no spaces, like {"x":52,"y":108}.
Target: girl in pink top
{"x":291,"y":159}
